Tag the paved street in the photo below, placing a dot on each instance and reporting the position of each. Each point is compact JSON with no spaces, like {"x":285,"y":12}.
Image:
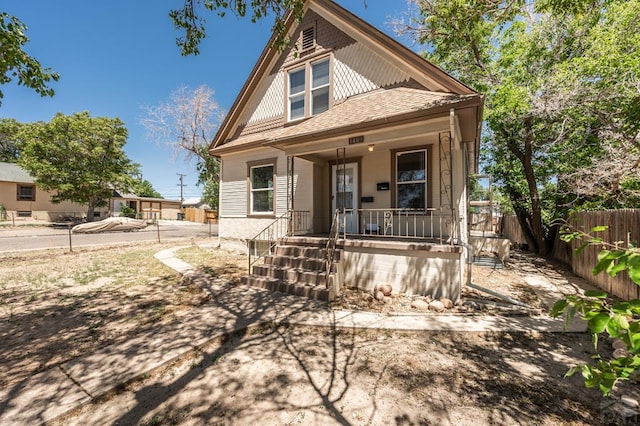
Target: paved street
{"x":15,"y":238}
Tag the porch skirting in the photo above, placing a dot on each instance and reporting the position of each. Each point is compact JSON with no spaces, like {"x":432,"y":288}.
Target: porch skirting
{"x":411,"y":268}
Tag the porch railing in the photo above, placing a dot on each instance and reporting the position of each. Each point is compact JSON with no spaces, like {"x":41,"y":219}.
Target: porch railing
{"x":428,"y":223}
{"x":290,"y":223}
{"x":331,"y":242}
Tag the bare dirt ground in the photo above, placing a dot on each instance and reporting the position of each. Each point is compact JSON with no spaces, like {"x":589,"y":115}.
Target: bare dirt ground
{"x":55,"y":306}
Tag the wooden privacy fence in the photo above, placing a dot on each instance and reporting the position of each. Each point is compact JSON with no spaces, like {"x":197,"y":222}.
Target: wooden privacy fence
{"x":510,"y":228}
{"x":623,"y":226}
{"x":193,"y":214}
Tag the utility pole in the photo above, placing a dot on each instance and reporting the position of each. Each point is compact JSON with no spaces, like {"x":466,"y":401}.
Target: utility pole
{"x":181,"y":185}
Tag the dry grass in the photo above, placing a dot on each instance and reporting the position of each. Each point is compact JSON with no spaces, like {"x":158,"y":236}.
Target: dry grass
{"x":56,"y":305}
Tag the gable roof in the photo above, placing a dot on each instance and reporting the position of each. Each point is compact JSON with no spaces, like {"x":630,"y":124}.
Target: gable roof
{"x":424,"y":72}
{"x":11,"y":172}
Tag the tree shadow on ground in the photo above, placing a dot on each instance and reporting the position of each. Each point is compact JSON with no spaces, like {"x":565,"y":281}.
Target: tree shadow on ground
{"x":348,"y":376}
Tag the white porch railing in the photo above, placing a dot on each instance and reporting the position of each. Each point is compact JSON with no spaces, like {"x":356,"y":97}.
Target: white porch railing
{"x":400,"y":223}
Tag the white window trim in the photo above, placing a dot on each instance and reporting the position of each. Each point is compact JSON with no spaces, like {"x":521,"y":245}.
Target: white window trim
{"x":250,"y":190}
{"x":308,"y":90}
{"x":423,"y":181}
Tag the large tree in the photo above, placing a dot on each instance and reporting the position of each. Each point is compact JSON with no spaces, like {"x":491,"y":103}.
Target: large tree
{"x":15,"y":63}
{"x":604,"y":84}
{"x":187,"y":123}
{"x":538,"y":130}
{"x":10,"y":130}
{"x":144,"y":188}
{"x":79,"y":158}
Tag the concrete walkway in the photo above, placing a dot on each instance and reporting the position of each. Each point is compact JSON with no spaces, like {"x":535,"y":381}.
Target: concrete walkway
{"x":50,"y":394}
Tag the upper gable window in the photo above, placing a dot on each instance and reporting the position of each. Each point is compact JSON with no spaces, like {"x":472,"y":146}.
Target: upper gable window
{"x":319,"y":87}
{"x":309,"y":89}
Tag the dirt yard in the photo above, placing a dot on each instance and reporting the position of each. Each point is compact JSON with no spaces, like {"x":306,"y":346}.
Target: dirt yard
{"x":71,"y":303}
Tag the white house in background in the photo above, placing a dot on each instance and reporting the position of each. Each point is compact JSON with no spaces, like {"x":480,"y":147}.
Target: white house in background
{"x":349,"y":142}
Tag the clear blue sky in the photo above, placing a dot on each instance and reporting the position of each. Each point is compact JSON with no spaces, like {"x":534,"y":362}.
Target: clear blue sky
{"x":116,"y":56}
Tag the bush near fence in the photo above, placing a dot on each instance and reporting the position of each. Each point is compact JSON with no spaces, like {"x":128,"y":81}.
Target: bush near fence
{"x":623,"y":226}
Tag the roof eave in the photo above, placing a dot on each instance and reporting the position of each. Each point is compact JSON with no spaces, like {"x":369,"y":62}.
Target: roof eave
{"x":387,"y":121}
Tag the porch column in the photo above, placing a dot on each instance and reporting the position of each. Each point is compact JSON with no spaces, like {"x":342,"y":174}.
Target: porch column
{"x":290,"y":183}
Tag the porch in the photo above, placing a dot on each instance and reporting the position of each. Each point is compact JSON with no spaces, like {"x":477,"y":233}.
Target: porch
{"x":408,"y":252}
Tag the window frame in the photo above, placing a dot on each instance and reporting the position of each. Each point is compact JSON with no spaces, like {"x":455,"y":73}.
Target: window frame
{"x":428,"y":181}
{"x":307,"y":65}
{"x":20,"y":197}
{"x":251,"y":165}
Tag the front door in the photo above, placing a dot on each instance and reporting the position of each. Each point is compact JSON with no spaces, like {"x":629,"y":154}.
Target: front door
{"x":344,"y":195}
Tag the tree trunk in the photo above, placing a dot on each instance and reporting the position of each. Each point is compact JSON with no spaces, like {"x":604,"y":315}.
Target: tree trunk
{"x":531,"y":223}
{"x":90,"y":209}
{"x":523,"y":219}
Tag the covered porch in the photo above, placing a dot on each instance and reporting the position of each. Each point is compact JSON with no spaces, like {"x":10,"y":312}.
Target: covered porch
{"x":387,"y":206}
{"x":401,"y":182}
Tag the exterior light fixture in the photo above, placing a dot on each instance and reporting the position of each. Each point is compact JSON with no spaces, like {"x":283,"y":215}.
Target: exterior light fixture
{"x":371,"y":147}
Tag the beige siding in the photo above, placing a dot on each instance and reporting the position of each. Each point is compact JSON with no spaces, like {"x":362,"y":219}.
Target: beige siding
{"x":233,"y":221}
{"x":271,"y":105}
{"x":233,"y":185}
{"x":303,"y":185}
{"x":42,"y":208}
{"x":376,"y":168}
{"x":357,"y":70}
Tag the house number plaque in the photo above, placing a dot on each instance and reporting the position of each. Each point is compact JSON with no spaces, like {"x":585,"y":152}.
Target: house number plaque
{"x":356,"y":139}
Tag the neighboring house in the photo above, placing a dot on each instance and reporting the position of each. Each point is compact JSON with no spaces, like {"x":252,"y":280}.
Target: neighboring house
{"x":145,"y":207}
{"x":21,"y":198}
{"x":354,"y":139}
{"x":196,"y":203}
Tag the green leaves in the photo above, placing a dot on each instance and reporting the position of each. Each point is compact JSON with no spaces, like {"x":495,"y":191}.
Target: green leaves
{"x":78,"y":157}
{"x":620,"y":320}
{"x":616,"y":261}
{"x":16,"y":63}
{"x":189,"y":19}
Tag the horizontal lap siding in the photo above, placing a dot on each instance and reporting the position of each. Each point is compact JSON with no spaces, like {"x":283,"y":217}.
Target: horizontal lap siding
{"x":233,"y":221}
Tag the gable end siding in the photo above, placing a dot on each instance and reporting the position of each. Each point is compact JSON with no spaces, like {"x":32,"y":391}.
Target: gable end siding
{"x":356,"y":70}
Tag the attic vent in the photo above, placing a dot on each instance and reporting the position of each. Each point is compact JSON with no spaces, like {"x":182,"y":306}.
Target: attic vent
{"x":308,"y":38}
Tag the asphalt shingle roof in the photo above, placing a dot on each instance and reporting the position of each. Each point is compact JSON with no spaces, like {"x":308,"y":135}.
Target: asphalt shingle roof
{"x":10,"y":172}
{"x":364,"y":108}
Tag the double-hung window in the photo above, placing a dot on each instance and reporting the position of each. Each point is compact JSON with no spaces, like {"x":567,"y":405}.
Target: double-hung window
{"x":297,"y":93}
{"x":319,"y":87}
{"x":308,"y":87}
{"x":411,"y":179}
{"x":26,"y":193}
{"x":261,"y":179}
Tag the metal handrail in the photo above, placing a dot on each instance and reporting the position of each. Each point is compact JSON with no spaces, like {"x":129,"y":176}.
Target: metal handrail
{"x":331,"y":242}
{"x":398,"y":222}
{"x":284,"y":226}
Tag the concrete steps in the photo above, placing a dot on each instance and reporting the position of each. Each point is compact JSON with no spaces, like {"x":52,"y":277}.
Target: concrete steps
{"x":298,"y":267}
